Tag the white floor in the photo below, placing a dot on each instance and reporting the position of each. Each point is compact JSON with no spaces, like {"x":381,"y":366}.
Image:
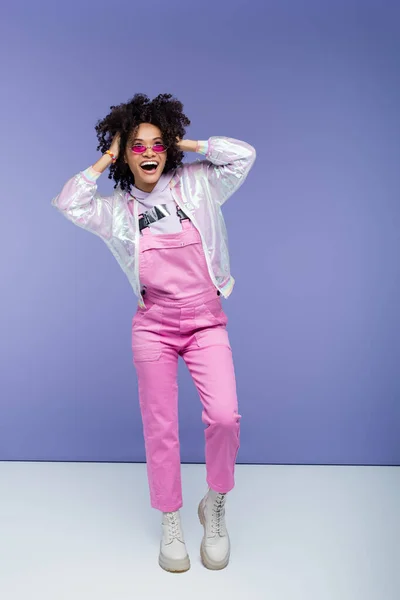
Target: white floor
{"x":85,"y":531}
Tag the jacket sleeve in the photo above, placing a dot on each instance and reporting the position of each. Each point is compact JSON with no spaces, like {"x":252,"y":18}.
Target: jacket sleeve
{"x":79,"y":202}
{"x":228,"y":164}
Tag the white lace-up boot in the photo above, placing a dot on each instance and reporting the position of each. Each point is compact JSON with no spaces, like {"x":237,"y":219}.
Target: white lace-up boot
{"x":173,"y":554}
{"x":215,"y":546}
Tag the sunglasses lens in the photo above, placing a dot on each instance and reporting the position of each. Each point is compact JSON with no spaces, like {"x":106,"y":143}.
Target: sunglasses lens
{"x":138,"y":149}
{"x":159,"y":148}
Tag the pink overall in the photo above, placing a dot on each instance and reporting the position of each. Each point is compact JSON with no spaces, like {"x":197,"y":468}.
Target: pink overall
{"x":183,"y":317}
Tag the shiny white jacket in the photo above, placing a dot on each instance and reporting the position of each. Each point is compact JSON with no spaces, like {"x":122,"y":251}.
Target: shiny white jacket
{"x":199,"y":188}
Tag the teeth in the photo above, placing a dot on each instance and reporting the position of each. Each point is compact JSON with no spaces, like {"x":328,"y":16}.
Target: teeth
{"x":149,"y":162}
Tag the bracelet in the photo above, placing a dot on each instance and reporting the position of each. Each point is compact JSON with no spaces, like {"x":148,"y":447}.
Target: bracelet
{"x":113,"y":157}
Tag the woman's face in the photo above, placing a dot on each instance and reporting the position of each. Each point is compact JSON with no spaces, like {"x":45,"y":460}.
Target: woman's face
{"x":146,"y":135}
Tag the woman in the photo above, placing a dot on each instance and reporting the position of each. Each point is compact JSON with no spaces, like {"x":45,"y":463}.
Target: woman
{"x":164,"y":225}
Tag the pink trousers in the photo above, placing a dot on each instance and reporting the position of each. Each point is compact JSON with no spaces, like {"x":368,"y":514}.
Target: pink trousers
{"x":192,"y":326}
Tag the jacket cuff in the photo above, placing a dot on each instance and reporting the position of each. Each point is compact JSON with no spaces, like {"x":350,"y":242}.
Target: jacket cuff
{"x":91,"y":175}
{"x":202,"y":147}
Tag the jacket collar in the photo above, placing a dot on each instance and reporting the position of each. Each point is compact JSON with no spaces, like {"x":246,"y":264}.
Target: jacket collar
{"x":162,"y":184}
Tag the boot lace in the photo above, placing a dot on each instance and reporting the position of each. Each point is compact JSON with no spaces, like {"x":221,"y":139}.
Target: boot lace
{"x":218,"y":513}
{"x":173,"y":526}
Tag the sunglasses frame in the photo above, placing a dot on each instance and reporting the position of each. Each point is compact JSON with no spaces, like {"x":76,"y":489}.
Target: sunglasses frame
{"x":147,"y":147}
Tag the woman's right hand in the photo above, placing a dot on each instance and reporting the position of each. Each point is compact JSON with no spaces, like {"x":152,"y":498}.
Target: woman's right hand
{"x":105,"y":161}
{"x":114,"y":148}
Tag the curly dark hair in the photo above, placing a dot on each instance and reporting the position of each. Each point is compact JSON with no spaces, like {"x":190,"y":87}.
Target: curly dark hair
{"x":165,"y":111}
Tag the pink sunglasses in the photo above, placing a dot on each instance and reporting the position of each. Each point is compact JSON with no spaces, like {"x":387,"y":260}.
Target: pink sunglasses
{"x":141,"y":148}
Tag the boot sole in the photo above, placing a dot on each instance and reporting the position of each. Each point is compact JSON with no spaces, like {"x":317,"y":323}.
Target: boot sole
{"x":174,"y":565}
{"x":207,"y":562}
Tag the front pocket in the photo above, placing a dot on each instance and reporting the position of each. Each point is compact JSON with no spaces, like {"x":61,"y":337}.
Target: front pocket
{"x":211,"y":324}
{"x":142,"y":312}
{"x":146,"y":327}
{"x":213,"y":309}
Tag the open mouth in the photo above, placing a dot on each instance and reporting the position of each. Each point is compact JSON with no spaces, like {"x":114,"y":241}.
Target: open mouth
{"x":149,"y":167}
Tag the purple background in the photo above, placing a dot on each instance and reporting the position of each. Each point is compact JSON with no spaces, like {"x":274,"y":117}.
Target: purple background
{"x":314,"y":232}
